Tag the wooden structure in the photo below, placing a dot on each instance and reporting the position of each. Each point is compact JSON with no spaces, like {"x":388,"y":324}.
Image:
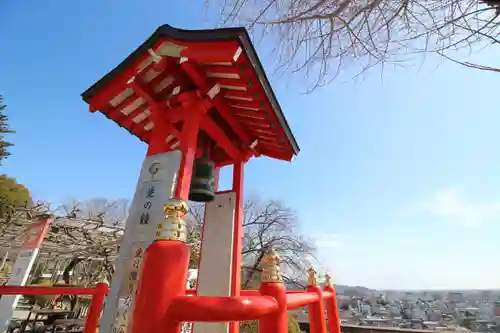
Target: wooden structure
{"x":214,"y":69}
{"x":192,"y":94}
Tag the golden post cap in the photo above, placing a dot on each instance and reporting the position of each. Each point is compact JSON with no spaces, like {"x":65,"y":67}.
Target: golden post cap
{"x":176,"y":207}
{"x":270,"y":267}
{"x":311,"y":279}
{"x":328,"y":281}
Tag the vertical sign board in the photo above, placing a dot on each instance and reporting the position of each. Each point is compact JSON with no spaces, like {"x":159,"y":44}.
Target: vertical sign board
{"x":192,"y":278}
{"x":155,"y":186}
{"x":215,"y":271}
{"x":33,"y":237}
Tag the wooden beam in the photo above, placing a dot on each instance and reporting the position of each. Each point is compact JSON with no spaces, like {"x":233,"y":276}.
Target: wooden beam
{"x":205,"y":85}
{"x":213,"y":52}
{"x":159,"y":113}
{"x":102,"y":98}
{"x":214,"y":131}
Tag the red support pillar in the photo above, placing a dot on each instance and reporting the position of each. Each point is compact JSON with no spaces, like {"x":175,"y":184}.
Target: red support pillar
{"x":317,"y":321}
{"x":272,"y":285}
{"x":164,"y":272}
{"x":238,"y":176}
{"x":331,"y":307}
{"x":101,"y":289}
{"x":189,"y":142}
{"x":166,"y":260}
{"x":157,"y":142}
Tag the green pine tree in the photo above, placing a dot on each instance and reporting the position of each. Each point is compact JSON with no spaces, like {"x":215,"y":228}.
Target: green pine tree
{"x":4,"y":129}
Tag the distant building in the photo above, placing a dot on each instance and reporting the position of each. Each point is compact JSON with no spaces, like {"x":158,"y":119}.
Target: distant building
{"x":496,"y":312}
{"x":467,"y":313}
{"x":456,"y":297}
{"x":364,"y":307}
{"x":345,"y":302}
{"x":496,"y":308}
{"x":433,"y":315}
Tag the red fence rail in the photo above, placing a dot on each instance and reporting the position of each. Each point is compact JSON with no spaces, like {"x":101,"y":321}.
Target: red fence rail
{"x":263,"y":305}
{"x":162,"y":302}
{"x":98,"y":294}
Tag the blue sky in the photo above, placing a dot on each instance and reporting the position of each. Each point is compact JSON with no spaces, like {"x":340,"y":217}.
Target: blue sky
{"x":397,"y":180}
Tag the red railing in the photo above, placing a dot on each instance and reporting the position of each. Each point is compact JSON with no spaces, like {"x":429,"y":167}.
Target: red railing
{"x":98,"y":294}
{"x":162,"y":302}
{"x":256,"y":305}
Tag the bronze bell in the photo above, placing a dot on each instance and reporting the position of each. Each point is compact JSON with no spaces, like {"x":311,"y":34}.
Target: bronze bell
{"x":202,"y":180}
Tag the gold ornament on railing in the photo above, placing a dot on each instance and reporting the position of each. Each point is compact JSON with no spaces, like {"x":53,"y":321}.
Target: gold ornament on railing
{"x":270,"y":267}
{"x":328,"y":281}
{"x":173,"y":227}
{"x":311,"y":278}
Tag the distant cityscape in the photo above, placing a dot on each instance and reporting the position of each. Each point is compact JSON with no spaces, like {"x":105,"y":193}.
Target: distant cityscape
{"x":451,"y":310}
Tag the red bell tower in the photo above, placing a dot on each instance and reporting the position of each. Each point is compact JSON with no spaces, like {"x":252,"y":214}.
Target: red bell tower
{"x":186,"y":94}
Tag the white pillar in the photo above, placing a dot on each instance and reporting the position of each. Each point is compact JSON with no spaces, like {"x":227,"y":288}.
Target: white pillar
{"x":33,"y":237}
{"x":4,"y":260}
{"x":155,"y":186}
{"x":215,"y":271}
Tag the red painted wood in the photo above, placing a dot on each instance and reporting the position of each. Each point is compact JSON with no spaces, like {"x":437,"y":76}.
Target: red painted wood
{"x":192,"y":74}
{"x":276,"y":322}
{"x":332,"y":311}
{"x":163,"y":279}
{"x":94,"y":313}
{"x":221,"y":70}
{"x":29,"y":290}
{"x":189,"y":142}
{"x":116,"y":86}
{"x":217,"y":309}
{"x":211,"y":51}
{"x":214,"y":131}
{"x":297,"y":300}
{"x":238,"y":182}
{"x":317,"y":320}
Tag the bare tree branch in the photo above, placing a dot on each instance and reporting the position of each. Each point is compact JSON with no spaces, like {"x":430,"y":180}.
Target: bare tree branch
{"x":88,"y":231}
{"x":99,"y":210}
{"x":84,"y":234}
{"x":266,"y":225}
{"x":471,"y":65}
{"x":320,"y":38}
{"x":194,"y":227}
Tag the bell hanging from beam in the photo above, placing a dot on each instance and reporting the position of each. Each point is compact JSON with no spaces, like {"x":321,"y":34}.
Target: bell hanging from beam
{"x":202,"y":180}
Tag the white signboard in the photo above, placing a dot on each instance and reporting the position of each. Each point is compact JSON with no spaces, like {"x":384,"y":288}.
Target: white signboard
{"x":33,"y":238}
{"x":155,"y":187}
{"x":215,"y":269}
{"x":192,"y":278}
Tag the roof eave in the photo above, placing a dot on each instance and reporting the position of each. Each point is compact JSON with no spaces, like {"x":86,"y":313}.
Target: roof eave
{"x":239,"y":34}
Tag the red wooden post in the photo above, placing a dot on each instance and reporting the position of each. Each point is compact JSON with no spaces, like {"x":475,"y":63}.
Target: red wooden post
{"x":238,"y":175}
{"x":101,"y":289}
{"x":189,"y":142}
{"x":165,"y":267}
{"x":317,"y":322}
{"x":272,"y":285}
{"x":164,"y":272}
{"x":331,"y":307}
